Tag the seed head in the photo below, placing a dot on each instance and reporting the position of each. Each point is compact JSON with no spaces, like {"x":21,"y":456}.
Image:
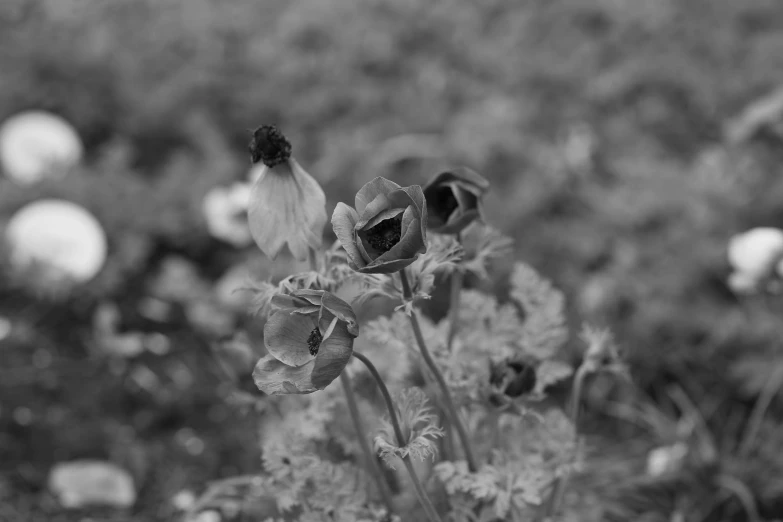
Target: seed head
{"x":386,"y":234}
{"x":314,"y":341}
{"x":269,"y":145}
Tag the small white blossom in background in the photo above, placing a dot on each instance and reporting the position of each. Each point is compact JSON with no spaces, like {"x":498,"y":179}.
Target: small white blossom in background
{"x":666,"y":459}
{"x":754,"y":256}
{"x":183,"y":500}
{"x":35,"y":145}
{"x":206,"y":516}
{"x":92,"y":482}
{"x":5,"y":327}
{"x":59,"y":237}
{"x":225,"y":209}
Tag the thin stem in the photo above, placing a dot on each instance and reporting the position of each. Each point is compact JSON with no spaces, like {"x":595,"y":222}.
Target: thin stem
{"x":561,"y":483}
{"x":432,"y":514}
{"x":375,"y":469}
{"x":313,"y":259}
{"x":425,"y":353}
{"x":743,"y":494}
{"x":766,"y":396}
{"x":457,"y":279}
{"x":456,"y":288}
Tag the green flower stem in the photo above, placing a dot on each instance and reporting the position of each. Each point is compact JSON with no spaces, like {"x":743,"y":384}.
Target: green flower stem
{"x":561,"y":483}
{"x":456,"y":288}
{"x":432,"y":514}
{"x":425,"y":353}
{"x":457,"y":278}
{"x":350,"y":398}
{"x":771,"y":388}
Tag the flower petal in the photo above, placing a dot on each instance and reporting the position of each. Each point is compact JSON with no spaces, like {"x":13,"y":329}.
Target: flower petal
{"x":344,"y":221}
{"x":342,"y":311}
{"x":371,"y":190}
{"x":285,"y":337}
{"x":387,"y":267}
{"x":275,"y":378}
{"x":333,"y":355}
{"x":287,"y":206}
{"x":373,"y":208}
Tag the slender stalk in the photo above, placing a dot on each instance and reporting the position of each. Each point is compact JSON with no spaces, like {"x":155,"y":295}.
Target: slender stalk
{"x":456,"y":288}
{"x":432,"y":514}
{"x":743,"y":494}
{"x":313,"y":259}
{"x":375,"y":469}
{"x":561,"y":483}
{"x":425,"y":353}
{"x":766,"y":396}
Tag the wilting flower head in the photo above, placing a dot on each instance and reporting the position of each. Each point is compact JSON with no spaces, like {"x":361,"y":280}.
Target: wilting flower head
{"x":386,"y":231}
{"x":309,"y":337}
{"x":286,"y":204}
{"x":453,"y":199}
{"x":753,"y":255}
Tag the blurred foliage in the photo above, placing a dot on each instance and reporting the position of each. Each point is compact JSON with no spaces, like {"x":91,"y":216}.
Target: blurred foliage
{"x":603,"y":126}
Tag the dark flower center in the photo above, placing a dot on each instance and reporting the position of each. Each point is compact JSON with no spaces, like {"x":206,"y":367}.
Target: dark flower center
{"x":269,"y":145}
{"x":442,"y":202}
{"x":520,"y":378}
{"x":383,"y":236}
{"x":314,"y":341}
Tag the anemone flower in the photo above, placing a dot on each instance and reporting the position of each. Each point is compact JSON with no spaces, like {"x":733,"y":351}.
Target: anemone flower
{"x":453,"y":199}
{"x":286,"y":204}
{"x":386,"y":231}
{"x":309,"y":337}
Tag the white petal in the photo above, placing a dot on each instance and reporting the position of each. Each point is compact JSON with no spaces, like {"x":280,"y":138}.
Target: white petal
{"x":37,"y":144}
{"x":59,"y":235}
{"x":756,"y":251}
{"x":91,"y":482}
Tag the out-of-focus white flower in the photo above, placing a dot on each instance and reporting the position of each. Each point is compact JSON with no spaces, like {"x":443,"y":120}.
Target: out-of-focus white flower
{"x":666,"y":459}
{"x":755,"y":253}
{"x":59,"y":237}
{"x":183,"y":500}
{"x":225,"y":209}
{"x":37,"y":144}
{"x":92,"y":482}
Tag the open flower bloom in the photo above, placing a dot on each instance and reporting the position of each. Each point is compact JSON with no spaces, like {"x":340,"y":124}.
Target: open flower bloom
{"x":286,"y":204}
{"x":510,"y":379}
{"x":386,"y":231}
{"x":309,"y":337}
{"x":453,"y":199}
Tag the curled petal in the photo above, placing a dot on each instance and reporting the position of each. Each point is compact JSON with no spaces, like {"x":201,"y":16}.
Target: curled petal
{"x":285,"y":337}
{"x":333,"y":355}
{"x":371,"y":190}
{"x":342,"y":311}
{"x":287,"y":206}
{"x":275,"y":378}
{"x":344,"y":221}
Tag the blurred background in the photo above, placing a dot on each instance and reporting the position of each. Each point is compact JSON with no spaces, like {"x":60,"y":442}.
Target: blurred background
{"x":626,"y":141}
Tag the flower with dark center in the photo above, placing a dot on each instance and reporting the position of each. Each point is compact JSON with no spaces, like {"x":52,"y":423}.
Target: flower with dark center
{"x":510,"y":379}
{"x":314,"y":341}
{"x":309,"y":337}
{"x":386,"y":231}
{"x":269,"y":146}
{"x":287,"y":206}
{"x":454,"y":199}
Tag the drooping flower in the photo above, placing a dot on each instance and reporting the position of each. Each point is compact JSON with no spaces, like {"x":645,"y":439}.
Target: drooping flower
{"x":309,"y":337}
{"x":454,"y":199}
{"x":386,"y":231}
{"x":754,"y":255}
{"x":287,"y":205}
